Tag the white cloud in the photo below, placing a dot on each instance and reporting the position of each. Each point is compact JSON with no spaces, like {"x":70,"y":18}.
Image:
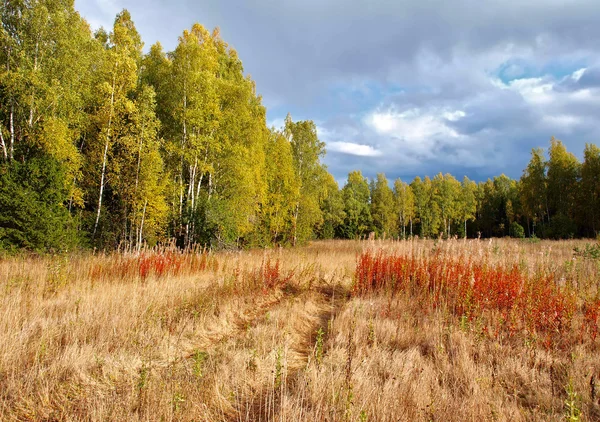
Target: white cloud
{"x":548,"y":99}
{"x":454,"y":116}
{"x":353,"y":149}
{"x":414,"y":124}
{"x":533,"y":90}
{"x":562,"y":121}
{"x":578,"y":74}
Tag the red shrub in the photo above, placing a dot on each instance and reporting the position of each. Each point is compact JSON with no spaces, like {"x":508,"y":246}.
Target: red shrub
{"x":519,"y":303}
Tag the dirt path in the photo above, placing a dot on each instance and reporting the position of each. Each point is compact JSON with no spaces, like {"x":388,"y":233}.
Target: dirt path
{"x":319,"y":307}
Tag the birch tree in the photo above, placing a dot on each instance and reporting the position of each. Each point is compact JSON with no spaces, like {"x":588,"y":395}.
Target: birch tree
{"x":405,"y":206}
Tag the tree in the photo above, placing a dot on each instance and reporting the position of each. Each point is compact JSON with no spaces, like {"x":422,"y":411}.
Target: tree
{"x":589,"y":198}
{"x":117,"y":79}
{"x":307,"y":151}
{"x":356,"y":197}
{"x":32,"y":196}
{"x":447,"y":190}
{"x":332,"y":208}
{"x":534,"y":189}
{"x":405,"y":206}
{"x":382,"y":207}
{"x":283,"y":190}
{"x":138,"y":173}
{"x":467,"y":202}
{"x":193,"y":121}
{"x":563,"y":181}
{"x":428,"y":209}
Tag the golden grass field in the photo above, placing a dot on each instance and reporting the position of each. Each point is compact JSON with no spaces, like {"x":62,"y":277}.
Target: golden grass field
{"x":285,"y":335}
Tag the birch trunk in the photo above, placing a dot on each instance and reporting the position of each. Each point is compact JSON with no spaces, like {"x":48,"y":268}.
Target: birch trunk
{"x":32,"y":103}
{"x":295,"y":224}
{"x":12,"y":130}
{"x":139,"y":160}
{"x":4,"y":150}
{"x":142,"y":226}
{"x":105,"y":156}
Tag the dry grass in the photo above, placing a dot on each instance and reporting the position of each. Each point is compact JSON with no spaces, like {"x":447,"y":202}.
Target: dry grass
{"x":278,"y":335}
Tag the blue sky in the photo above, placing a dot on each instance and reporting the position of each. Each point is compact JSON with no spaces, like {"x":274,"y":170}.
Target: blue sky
{"x":407,"y":87}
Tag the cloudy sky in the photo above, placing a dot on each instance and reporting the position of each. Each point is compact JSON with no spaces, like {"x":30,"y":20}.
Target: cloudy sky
{"x":407,"y":87}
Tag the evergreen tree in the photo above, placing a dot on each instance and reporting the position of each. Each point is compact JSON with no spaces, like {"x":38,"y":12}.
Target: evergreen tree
{"x":534,"y":190}
{"x":564,"y":172}
{"x":32,"y":196}
{"x":589,"y":198}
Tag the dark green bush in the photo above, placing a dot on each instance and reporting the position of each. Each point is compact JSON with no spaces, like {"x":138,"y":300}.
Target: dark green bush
{"x":33,"y":215}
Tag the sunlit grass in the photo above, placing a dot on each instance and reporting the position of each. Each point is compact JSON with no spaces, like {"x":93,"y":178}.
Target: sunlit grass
{"x":338,"y":330}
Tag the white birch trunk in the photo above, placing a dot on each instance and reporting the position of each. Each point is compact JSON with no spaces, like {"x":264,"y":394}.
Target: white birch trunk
{"x":142,"y":226}
{"x":12,"y":130}
{"x":4,"y":150}
{"x":105,"y":156}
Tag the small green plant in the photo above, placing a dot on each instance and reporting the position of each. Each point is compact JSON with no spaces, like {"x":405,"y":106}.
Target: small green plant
{"x":178,"y":400}
{"x":572,"y":404}
{"x":464,"y":323}
{"x":199,"y":358}
{"x":589,"y":251}
{"x":143,"y":378}
{"x":517,"y":230}
{"x":371,"y":335}
{"x":278,"y":368}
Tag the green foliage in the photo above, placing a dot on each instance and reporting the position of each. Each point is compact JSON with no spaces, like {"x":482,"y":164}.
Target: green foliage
{"x":356,"y":198}
{"x":589,"y":251}
{"x":517,"y":230}
{"x":307,"y":151}
{"x":572,"y":404}
{"x":589,"y":193}
{"x":283,"y":190}
{"x":199,"y":357}
{"x":560,"y":227}
{"x":382,"y":207}
{"x":332,"y":208}
{"x":404,"y":201}
{"x":33,"y":216}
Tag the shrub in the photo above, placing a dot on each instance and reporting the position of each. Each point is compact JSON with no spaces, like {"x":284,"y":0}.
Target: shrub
{"x":505,"y":298}
{"x":32,"y":197}
{"x":517,"y":230}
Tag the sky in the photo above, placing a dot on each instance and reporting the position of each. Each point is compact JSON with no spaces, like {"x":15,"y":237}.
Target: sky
{"x":407,"y":87}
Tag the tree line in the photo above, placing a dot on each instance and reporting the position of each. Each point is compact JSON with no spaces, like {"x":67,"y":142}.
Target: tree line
{"x":104,"y":146}
{"x":557,"y":197}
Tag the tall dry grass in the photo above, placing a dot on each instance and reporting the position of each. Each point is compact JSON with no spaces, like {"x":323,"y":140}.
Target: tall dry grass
{"x":279,"y":335}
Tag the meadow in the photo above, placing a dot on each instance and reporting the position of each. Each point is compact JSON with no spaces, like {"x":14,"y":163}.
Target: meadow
{"x":418,"y":330}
